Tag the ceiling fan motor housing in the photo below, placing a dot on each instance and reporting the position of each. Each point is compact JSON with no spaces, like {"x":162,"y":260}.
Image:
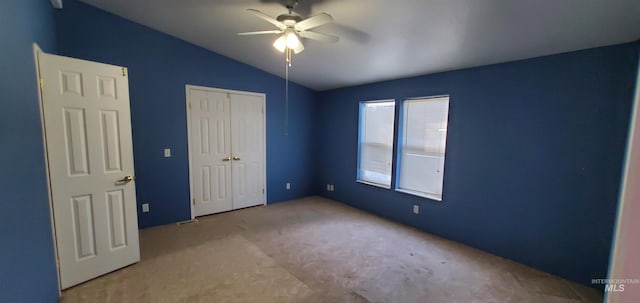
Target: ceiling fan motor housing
{"x":289,"y":19}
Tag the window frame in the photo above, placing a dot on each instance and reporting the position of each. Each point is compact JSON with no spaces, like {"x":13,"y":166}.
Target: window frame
{"x":399,"y":140}
{"x":361,"y":105}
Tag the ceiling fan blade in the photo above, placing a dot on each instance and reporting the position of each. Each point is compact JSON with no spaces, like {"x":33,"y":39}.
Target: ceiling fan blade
{"x":273,"y":21}
{"x":260,"y":33}
{"x":319,"y":36}
{"x":313,"y":21}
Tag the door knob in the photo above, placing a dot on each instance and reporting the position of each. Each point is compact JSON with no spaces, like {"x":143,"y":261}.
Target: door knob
{"x":226,"y":159}
{"x":236,"y":158}
{"x":126,"y":179}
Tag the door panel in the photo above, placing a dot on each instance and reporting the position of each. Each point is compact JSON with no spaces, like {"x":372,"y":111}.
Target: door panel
{"x":83,"y":222}
{"x":89,"y":148}
{"x":210,"y":146}
{"x":76,"y":141}
{"x":110,"y":141}
{"x":247,"y":128}
{"x":117,"y":223}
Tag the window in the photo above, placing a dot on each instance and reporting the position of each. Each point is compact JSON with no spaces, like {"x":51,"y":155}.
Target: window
{"x":423,"y":141}
{"x":375,"y":142}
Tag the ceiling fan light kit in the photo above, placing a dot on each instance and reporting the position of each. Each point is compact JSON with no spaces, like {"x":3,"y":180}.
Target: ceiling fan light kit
{"x":289,"y":40}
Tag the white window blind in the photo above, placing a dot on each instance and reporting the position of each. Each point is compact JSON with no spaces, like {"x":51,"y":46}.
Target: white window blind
{"x":376,"y":142}
{"x":423,"y":146}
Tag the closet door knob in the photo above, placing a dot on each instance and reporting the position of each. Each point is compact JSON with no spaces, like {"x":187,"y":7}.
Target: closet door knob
{"x":236,"y":158}
{"x":226,"y":159}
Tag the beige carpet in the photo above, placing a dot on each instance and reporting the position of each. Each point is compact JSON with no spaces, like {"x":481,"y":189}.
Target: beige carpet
{"x":316,"y":250}
{"x":230,"y":269}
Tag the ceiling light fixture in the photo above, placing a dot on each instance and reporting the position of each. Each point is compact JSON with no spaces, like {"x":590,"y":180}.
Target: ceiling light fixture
{"x":289,"y":41}
{"x":280,"y":44}
{"x":293,"y":42}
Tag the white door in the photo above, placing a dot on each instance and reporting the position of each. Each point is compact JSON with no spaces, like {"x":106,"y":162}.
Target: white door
{"x":227,"y":149}
{"x":210,"y":152}
{"x":247,"y":143}
{"x":89,"y":150}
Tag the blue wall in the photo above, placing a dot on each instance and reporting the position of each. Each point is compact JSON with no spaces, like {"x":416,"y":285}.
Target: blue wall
{"x":27,"y":262}
{"x":534,"y":156}
{"x":159,"y":67}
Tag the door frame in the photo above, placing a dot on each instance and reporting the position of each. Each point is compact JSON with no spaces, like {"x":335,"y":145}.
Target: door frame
{"x":188,"y":88}
{"x":622,"y":248}
{"x":36,"y":57}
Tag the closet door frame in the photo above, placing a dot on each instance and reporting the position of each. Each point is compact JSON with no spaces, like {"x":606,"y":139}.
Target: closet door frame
{"x":188,"y":105}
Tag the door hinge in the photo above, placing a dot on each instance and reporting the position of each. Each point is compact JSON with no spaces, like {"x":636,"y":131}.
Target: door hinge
{"x":124,"y":71}
{"x":193,"y":201}
{"x":263,"y":191}
{"x":41,"y":83}
{"x":189,"y":105}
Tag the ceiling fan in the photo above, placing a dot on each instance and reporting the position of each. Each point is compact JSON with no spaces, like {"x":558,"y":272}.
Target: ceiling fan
{"x":292,"y":27}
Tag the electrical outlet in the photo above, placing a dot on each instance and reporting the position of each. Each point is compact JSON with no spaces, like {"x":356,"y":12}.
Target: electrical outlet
{"x":332,"y":187}
{"x":145,"y":207}
{"x":416,"y":209}
{"x":328,"y":187}
{"x":288,"y":186}
{"x":167,"y":152}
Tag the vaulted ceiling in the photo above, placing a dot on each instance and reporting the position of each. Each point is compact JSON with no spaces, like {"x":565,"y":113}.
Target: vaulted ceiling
{"x":383,"y":39}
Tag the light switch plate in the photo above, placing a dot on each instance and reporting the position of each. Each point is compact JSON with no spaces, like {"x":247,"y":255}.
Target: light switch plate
{"x":167,"y":152}
{"x":145,"y":207}
{"x":416,"y":209}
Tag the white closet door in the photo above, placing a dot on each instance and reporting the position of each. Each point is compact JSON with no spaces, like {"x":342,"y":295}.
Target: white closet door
{"x":90,"y":159}
{"x":210,"y":152}
{"x":226,"y":149}
{"x":247,"y":141}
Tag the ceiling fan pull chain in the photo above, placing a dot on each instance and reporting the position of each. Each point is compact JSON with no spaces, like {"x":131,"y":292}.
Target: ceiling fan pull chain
{"x":286,"y":94}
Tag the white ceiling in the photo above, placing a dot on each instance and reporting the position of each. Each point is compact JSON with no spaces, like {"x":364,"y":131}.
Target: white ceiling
{"x":384,"y":39}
